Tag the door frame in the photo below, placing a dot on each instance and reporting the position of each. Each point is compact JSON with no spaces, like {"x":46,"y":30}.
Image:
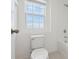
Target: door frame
{"x":14,"y":4}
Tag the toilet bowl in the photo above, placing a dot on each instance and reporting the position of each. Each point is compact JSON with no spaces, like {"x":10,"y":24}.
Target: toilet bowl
{"x":40,"y":53}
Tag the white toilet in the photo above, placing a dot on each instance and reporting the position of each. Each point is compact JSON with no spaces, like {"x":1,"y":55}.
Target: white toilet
{"x":38,"y":50}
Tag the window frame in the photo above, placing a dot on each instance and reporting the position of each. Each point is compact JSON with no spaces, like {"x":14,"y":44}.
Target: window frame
{"x":33,"y":14}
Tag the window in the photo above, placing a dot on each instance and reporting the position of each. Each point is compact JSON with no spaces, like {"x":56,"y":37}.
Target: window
{"x":35,"y":15}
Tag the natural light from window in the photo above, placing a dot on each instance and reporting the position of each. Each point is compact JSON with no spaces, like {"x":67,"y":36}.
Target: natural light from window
{"x":35,"y":15}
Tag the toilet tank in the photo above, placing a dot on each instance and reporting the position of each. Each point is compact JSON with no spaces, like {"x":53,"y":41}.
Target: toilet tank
{"x":37,"y":41}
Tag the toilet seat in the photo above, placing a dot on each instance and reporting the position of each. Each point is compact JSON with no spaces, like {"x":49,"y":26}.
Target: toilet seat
{"x":39,"y":54}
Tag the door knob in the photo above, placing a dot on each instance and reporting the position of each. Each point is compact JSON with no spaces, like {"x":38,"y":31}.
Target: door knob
{"x":14,"y":31}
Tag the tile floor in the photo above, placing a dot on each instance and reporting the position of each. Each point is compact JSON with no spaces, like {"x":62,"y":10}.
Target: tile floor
{"x":56,"y":55}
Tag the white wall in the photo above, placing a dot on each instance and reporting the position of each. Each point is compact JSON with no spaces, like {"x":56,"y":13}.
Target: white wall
{"x":50,"y":33}
{"x":58,"y":24}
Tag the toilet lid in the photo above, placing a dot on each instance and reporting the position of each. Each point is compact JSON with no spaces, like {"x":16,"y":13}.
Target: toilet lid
{"x":39,"y":54}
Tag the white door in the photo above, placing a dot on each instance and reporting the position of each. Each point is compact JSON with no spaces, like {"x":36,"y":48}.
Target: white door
{"x":13,"y":26}
{"x":20,"y":41}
